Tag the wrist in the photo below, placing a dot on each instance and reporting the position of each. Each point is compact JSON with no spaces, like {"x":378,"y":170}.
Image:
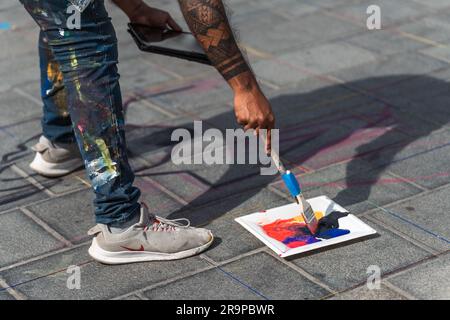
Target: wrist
{"x":244,"y":83}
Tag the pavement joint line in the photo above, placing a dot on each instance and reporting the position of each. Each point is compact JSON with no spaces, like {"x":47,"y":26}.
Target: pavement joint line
{"x":419,"y":38}
{"x":82,"y":180}
{"x":42,"y":256}
{"x":165,"y":282}
{"x":414,"y":265}
{"x":418,"y":226}
{"x":235,"y":258}
{"x":391,"y":274}
{"x":394,"y":27}
{"x":31,"y":180}
{"x":407,"y":180}
{"x":383,"y":283}
{"x":4,"y":286}
{"x":27,"y":96}
{"x":167,"y":191}
{"x":400,"y":201}
{"x":401,"y":292}
{"x":42,"y":200}
{"x":45,"y":275}
{"x":159,"y":109}
{"x":435,"y":56}
{"x":46,"y":227}
{"x":242,"y":283}
{"x":402,"y":235}
{"x":301,"y":271}
{"x":162,"y":69}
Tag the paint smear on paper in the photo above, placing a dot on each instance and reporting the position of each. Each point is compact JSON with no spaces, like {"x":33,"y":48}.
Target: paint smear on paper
{"x":294,"y":232}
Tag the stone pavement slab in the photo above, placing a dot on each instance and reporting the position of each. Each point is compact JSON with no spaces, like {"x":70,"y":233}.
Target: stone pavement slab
{"x":203,"y":286}
{"x":363,"y":293}
{"x":428,"y":281}
{"x":97,"y":281}
{"x":273,"y":279}
{"x":347,"y":265}
{"x":71,"y":215}
{"x":16,"y":191}
{"x":22,"y":239}
{"x":424,"y":218}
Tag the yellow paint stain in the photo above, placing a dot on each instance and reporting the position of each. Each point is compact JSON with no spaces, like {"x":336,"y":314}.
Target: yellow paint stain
{"x":299,"y":219}
{"x":110,"y":165}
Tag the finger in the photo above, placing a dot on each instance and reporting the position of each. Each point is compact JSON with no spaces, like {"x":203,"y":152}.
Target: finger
{"x":251,"y":125}
{"x":173,"y":25}
{"x":241,"y":121}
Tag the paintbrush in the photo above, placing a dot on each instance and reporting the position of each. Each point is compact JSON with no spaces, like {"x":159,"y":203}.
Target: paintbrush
{"x":294,"y":188}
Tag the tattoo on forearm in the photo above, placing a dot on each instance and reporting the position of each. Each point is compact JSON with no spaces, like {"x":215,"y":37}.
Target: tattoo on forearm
{"x":208,"y":22}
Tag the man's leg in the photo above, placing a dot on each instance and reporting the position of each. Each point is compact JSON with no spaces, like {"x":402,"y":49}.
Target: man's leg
{"x":56,"y":122}
{"x":87,"y":58}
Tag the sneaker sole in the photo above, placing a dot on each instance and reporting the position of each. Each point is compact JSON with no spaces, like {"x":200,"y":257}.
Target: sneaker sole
{"x":54,"y":170}
{"x":123,"y":257}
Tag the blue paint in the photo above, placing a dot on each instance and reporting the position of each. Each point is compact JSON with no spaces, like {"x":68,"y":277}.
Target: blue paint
{"x":332,"y":233}
{"x":5,"y":26}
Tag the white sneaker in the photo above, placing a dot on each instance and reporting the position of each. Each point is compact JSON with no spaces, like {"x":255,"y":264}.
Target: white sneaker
{"x":55,"y":160}
{"x":151,"y":239}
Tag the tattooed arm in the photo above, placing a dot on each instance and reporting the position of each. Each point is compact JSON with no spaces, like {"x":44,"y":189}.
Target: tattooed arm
{"x":208,"y":22}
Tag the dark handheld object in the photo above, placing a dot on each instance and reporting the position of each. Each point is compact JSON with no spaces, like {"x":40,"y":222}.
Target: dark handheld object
{"x":182,"y":45}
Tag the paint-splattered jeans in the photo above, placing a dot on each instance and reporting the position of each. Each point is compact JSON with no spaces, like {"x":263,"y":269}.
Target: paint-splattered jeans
{"x":82,"y":100}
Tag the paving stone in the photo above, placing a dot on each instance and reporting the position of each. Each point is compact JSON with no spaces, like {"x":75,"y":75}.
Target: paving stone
{"x":22,"y":238}
{"x":338,"y":138}
{"x":363,"y":293}
{"x":427,"y":281}
{"x":56,"y":185}
{"x":423,"y":218}
{"x":277,"y":40}
{"x":279,"y":281}
{"x":98,"y":281}
{"x":199,"y":184}
{"x":203,"y":286}
{"x":195,"y":93}
{"x":139,"y":75}
{"x":440,"y":53}
{"x":16,"y":191}
{"x":418,"y":94}
{"x":71,"y":215}
{"x":132,"y":297}
{"x":386,"y":42}
{"x":357,"y":186}
{"x":424,"y":164}
{"x":5,"y":296}
{"x":321,"y":59}
{"x":346,"y":266}
{"x":140,"y":114}
{"x":434,"y":28}
{"x":436,"y":4}
{"x":158,"y":201}
{"x":392,"y":13}
{"x":389,"y":69}
{"x":16,"y":108}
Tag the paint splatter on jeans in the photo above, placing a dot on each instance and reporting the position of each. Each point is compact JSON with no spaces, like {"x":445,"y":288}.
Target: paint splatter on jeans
{"x":82,"y":100}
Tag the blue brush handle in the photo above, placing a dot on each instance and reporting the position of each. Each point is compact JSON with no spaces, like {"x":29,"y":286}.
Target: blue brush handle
{"x":291,"y":183}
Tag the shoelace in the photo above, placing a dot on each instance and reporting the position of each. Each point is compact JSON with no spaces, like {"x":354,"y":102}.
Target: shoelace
{"x":161,"y":224}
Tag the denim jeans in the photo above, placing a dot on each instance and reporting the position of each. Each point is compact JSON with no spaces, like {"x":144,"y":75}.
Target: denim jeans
{"x":82,"y":100}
